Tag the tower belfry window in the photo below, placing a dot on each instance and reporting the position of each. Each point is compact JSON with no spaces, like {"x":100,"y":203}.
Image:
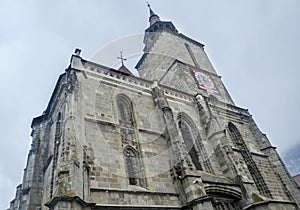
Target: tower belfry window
{"x":192,"y":55}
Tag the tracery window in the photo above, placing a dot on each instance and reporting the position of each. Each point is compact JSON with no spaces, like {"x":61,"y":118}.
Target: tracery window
{"x":132,"y":158}
{"x":251,"y":165}
{"x":193,"y":143}
{"x":125,"y":118}
{"x":131,"y":161}
{"x":189,"y":143}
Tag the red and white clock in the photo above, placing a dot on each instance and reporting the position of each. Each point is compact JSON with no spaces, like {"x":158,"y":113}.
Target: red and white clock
{"x":204,"y":81}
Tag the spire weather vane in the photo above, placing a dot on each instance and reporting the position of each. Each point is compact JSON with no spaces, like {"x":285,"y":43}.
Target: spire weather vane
{"x":122,"y":58}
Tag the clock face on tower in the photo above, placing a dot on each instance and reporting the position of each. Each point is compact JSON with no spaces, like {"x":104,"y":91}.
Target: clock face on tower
{"x":204,"y":81}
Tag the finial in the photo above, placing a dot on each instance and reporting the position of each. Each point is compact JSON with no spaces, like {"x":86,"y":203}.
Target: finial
{"x":122,"y":58}
{"x":77,"y":51}
{"x":151,"y":12}
{"x":153,"y":17}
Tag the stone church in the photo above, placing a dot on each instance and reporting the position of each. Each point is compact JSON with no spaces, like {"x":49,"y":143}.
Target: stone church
{"x":170,"y":138}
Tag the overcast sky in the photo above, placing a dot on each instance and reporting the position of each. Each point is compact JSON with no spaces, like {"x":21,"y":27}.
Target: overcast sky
{"x":254,"y":45}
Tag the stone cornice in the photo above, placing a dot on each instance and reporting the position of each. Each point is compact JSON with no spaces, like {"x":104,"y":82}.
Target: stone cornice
{"x":132,"y":191}
{"x":77,"y":199}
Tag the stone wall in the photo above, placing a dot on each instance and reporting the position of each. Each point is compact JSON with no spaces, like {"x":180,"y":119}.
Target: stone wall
{"x":78,"y":158}
{"x":168,"y":47}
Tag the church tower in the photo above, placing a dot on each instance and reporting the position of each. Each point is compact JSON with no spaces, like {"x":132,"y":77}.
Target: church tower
{"x":171,"y":138}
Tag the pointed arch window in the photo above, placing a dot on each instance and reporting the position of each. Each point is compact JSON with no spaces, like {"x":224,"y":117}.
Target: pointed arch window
{"x":125,"y":118}
{"x":57,"y":136}
{"x":189,"y":143}
{"x":251,"y":165}
{"x":131,"y":153}
{"x":125,"y":110}
{"x":131,"y":161}
{"x":193,"y":143}
{"x":58,"y":127}
{"x":189,"y":135}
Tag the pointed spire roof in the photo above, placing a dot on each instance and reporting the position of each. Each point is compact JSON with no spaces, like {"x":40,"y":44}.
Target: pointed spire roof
{"x":153,"y":16}
{"x":156,"y":24}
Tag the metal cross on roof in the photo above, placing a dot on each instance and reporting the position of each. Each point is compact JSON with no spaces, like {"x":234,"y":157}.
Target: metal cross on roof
{"x":122,"y":58}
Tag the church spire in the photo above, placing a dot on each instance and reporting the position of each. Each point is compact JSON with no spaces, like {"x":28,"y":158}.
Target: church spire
{"x":153,"y":17}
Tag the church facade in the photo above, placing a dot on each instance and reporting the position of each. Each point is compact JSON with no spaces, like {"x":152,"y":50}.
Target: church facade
{"x":171,"y":138}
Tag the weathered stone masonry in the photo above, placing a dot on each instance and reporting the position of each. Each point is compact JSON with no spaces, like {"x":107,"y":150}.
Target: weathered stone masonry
{"x":170,"y":139}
